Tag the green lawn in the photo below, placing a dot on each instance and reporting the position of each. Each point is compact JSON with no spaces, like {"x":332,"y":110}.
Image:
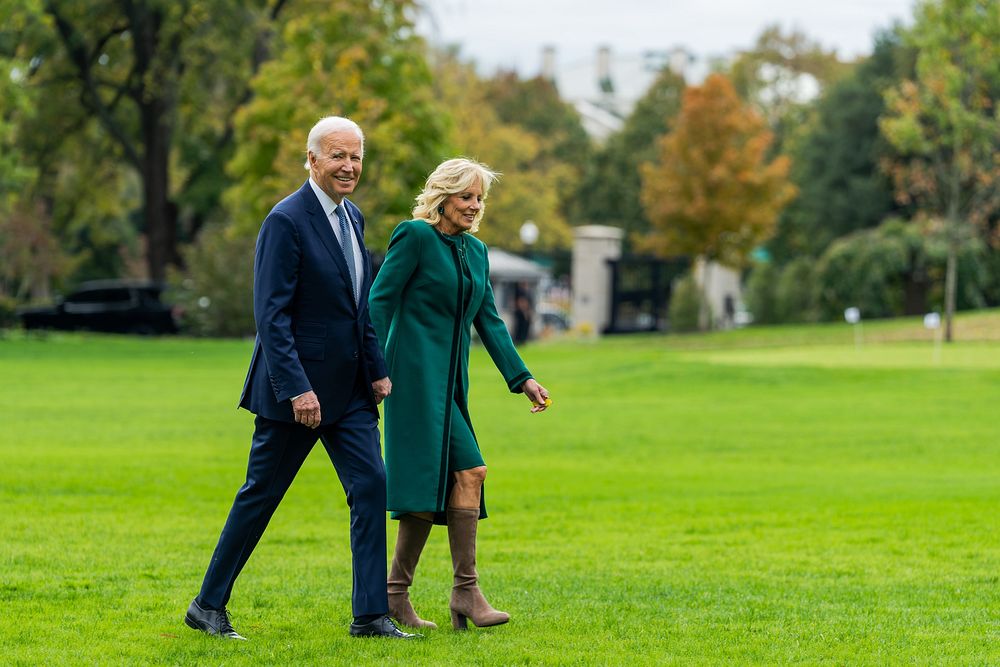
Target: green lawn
{"x":767,"y":496}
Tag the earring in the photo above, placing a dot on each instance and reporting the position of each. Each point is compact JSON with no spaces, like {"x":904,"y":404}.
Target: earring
{"x":441,"y":210}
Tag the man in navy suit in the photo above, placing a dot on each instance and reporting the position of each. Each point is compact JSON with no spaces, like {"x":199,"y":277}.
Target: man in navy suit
{"x":317,"y":372}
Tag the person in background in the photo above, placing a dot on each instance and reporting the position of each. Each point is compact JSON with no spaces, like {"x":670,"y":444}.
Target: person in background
{"x":432,"y":289}
{"x":522,"y":319}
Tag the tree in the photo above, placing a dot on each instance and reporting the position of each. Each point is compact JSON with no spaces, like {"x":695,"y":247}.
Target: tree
{"x":945,"y":122}
{"x":609,"y":192}
{"x":712,"y":191}
{"x":535,"y":105}
{"x":780,"y":74}
{"x":31,"y":255}
{"x":533,"y":179}
{"x":376,"y":74}
{"x":143,"y":72}
{"x":835,"y":165}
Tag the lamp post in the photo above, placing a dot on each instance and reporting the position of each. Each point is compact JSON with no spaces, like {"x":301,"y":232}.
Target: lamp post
{"x":529,"y":235}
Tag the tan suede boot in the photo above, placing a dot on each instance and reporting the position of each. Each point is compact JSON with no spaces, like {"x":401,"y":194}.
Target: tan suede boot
{"x":410,"y":541}
{"x":467,"y":601}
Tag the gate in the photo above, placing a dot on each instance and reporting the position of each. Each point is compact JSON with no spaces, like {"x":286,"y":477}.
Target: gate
{"x":640,"y":292}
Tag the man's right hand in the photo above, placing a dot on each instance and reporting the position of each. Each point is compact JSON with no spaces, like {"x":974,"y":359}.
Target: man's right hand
{"x":306,"y":408}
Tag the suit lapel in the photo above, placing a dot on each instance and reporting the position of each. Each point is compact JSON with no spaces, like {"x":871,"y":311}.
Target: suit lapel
{"x":321,"y":225}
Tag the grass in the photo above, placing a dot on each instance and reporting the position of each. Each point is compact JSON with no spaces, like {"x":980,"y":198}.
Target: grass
{"x":766,"y":496}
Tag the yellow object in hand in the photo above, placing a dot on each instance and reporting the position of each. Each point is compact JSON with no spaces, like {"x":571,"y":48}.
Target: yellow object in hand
{"x":548,"y":402}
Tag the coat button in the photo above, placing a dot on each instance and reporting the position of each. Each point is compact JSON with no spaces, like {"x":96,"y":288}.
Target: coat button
{"x":354,"y":356}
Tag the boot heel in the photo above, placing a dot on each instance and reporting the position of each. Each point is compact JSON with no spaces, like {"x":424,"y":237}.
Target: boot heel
{"x":459,"y":621}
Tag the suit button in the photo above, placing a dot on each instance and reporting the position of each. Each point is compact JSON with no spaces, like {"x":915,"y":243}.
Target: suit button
{"x":354,"y":356}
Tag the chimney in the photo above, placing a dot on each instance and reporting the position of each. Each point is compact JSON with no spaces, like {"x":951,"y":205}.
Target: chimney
{"x":604,"y":70}
{"x":679,"y":60}
{"x":549,"y":63}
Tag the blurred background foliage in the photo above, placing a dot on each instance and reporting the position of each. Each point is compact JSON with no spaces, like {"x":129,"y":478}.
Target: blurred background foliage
{"x":150,"y":138}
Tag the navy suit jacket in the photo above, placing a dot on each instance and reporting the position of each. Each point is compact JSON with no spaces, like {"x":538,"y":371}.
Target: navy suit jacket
{"x":310,"y":333}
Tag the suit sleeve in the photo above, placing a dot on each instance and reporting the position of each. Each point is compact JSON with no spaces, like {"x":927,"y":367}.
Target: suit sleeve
{"x":400,"y":262}
{"x":275,"y":278}
{"x":493,"y":332}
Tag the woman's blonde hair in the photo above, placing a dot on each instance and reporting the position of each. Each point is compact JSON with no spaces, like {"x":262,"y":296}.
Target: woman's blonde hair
{"x":451,"y":177}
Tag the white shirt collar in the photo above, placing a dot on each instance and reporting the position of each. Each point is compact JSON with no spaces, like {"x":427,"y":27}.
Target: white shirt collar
{"x":326,"y":201}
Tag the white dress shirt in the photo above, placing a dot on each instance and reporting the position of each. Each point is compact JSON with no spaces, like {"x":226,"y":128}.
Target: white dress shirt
{"x":329,"y":207}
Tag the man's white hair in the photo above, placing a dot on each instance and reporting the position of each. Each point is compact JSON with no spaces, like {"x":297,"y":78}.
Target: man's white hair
{"x":329,"y":125}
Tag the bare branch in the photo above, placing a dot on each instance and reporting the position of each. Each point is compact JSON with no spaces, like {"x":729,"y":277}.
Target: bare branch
{"x":78,"y":55}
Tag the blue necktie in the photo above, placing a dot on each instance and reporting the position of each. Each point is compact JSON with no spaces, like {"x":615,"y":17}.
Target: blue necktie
{"x":348,"y":248}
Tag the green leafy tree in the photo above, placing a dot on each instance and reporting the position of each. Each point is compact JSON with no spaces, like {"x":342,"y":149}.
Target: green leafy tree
{"x":152,"y":85}
{"x":945,"y":122}
{"x":780,"y":74}
{"x":214,"y":292}
{"x":31,"y":256}
{"x":835,"y":165}
{"x":685,"y":307}
{"x":794,"y":293}
{"x":760,"y":293}
{"x":609,"y":192}
{"x":563,"y":147}
{"x":533,"y":179}
{"x":375,"y":73}
{"x":896,"y":269}
{"x":535,"y":105}
{"x":713,"y":192}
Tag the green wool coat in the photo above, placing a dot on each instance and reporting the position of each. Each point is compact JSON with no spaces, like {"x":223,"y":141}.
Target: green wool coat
{"x":423,"y":308}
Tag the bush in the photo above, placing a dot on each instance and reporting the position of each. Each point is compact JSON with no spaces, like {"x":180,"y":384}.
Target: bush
{"x":872,"y":270}
{"x":8,"y":314}
{"x":760,"y":293}
{"x":215,"y":292}
{"x":685,"y":302}
{"x":795,"y":292}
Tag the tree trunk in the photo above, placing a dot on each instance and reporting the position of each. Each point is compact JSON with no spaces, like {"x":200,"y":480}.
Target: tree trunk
{"x":951,"y":269}
{"x":950,"y":281}
{"x":704,"y":308}
{"x":161,"y":230}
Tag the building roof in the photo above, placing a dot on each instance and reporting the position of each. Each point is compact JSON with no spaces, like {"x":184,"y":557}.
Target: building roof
{"x":507,"y":266}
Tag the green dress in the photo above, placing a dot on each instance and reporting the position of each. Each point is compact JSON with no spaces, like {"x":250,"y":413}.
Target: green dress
{"x":431,"y":290}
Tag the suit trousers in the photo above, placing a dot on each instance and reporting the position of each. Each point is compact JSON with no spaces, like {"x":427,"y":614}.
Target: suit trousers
{"x":277,"y":453}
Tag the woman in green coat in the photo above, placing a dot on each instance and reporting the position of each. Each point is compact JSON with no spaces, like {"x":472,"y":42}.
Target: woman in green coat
{"x":432,"y":289}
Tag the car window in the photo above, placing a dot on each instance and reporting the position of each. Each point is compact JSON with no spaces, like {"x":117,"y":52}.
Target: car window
{"x":101,"y":296}
{"x":92,"y":301}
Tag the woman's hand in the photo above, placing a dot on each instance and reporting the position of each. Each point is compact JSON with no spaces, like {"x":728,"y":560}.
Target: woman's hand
{"x":537,"y":394}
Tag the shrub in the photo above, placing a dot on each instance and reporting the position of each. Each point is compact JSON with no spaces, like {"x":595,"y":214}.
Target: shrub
{"x":795,"y":292}
{"x":760,"y":293}
{"x":8,"y":314}
{"x":685,"y":302}
{"x":215,"y":292}
{"x":871,"y":270}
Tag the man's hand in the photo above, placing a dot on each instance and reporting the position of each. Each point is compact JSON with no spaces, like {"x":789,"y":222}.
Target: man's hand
{"x":382,"y":388}
{"x":306,"y":408}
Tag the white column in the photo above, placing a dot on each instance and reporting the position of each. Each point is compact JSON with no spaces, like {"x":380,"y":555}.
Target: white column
{"x":593,"y":246}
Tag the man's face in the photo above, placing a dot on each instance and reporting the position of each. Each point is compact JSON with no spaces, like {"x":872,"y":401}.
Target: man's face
{"x":337,"y":168}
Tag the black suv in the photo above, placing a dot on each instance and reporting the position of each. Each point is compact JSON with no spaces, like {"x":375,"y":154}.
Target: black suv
{"x":113,"y":306}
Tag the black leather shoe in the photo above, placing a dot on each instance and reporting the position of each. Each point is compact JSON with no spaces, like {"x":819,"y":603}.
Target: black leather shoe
{"x":212,"y":621}
{"x":381,"y":627}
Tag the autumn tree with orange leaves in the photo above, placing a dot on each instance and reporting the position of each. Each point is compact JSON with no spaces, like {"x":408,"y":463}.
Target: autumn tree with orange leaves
{"x":712,"y":192}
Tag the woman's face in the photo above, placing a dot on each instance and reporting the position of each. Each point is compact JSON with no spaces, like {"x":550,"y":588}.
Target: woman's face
{"x":461,"y":209}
